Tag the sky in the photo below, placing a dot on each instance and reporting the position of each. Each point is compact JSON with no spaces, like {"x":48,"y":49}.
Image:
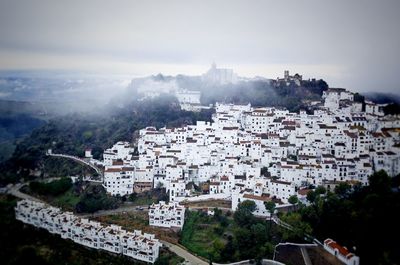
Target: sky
{"x":352,"y":44}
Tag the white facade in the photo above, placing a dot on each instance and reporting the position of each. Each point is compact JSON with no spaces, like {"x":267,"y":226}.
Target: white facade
{"x":220,"y":76}
{"x":91,"y":234}
{"x":294,"y":149}
{"x":167,"y":215}
{"x":341,"y":253}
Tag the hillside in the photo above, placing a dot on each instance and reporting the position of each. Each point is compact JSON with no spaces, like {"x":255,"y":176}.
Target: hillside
{"x":124,"y":115}
{"x":257,"y":91}
{"x":72,"y":134}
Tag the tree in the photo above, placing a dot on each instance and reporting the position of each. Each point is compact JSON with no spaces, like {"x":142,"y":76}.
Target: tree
{"x":270,"y":206}
{"x":53,"y":188}
{"x":259,"y":232}
{"x":343,"y":189}
{"x":160,"y":185}
{"x":380,"y":182}
{"x":267,"y":250}
{"x":244,"y":213}
{"x":320,"y":190}
{"x":350,"y":212}
{"x":217,"y":214}
{"x":94,"y":199}
{"x":293,"y":199}
{"x":392,"y":109}
{"x":311,"y":196}
{"x":299,"y":227}
{"x":229,"y":250}
{"x":244,"y":243}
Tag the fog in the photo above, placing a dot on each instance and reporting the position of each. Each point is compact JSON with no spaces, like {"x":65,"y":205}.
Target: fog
{"x":351,"y":44}
{"x":60,"y":92}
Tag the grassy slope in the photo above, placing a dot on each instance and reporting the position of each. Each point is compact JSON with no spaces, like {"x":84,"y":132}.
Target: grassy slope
{"x":198,"y":234}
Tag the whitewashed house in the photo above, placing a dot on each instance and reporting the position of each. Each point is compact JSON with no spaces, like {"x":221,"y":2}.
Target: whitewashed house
{"x":113,"y":238}
{"x":167,"y":214}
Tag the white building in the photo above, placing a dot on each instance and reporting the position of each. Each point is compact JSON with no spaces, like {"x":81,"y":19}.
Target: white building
{"x":113,"y":238}
{"x":167,"y":214}
{"x":293,"y":149}
{"x":259,"y":200}
{"x":342,"y":253}
{"x":120,"y":150}
{"x":220,"y":76}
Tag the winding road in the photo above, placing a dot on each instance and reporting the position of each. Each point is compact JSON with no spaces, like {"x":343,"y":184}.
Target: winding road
{"x":14,"y":190}
{"x":79,"y":160}
{"x":190,"y":258}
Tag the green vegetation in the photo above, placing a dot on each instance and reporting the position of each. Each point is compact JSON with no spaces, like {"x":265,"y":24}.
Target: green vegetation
{"x":73,"y":133}
{"x":168,"y":258}
{"x":53,"y":188}
{"x":148,"y":197}
{"x":221,"y":238}
{"x":363,"y":217}
{"x":94,"y":199}
{"x":6,"y":150}
{"x":300,"y":229}
{"x":203,"y":235}
{"x":13,"y":127}
{"x":293,"y":199}
{"x":393,"y":109}
{"x":262,"y":93}
{"x":67,"y":200}
{"x":81,"y":197}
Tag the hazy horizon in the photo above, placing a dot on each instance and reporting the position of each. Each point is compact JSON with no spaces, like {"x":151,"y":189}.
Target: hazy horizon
{"x":348,"y":44}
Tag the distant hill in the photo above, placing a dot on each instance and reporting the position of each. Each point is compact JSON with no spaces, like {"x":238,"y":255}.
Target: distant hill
{"x":382,"y":98}
{"x":28,"y":99}
{"x":392,"y":101}
{"x":17,"y":119}
{"x":73,"y":133}
{"x":257,"y":91}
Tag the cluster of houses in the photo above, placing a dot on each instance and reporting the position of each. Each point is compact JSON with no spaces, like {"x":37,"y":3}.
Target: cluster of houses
{"x":112,"y":238}
{"x":259,"y":153}
{"x":169,"y":215}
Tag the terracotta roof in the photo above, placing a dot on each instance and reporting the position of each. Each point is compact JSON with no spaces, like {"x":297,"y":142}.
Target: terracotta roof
{"x":342,"y":250}
{"x":255,"y":197}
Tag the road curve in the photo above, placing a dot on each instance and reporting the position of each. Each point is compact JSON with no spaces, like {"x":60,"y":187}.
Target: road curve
{"x":14,"y":190}
{"x":189,"y":258}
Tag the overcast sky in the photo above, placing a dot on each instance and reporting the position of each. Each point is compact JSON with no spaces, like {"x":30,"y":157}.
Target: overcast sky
{"x":353,"y":44}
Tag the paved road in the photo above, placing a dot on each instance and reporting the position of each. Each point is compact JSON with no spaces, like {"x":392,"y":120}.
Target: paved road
{"x":79,"y":160}
{"x":190,"y":258}
{"x":306,"y":258}
{"x":14,"y":190}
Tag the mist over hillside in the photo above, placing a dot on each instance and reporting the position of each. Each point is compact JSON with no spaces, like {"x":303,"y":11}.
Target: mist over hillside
{"x":29,"y":99}
{"x":257,"y":91}
{"x":61,"y":91}
{"x":382,"y":98}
